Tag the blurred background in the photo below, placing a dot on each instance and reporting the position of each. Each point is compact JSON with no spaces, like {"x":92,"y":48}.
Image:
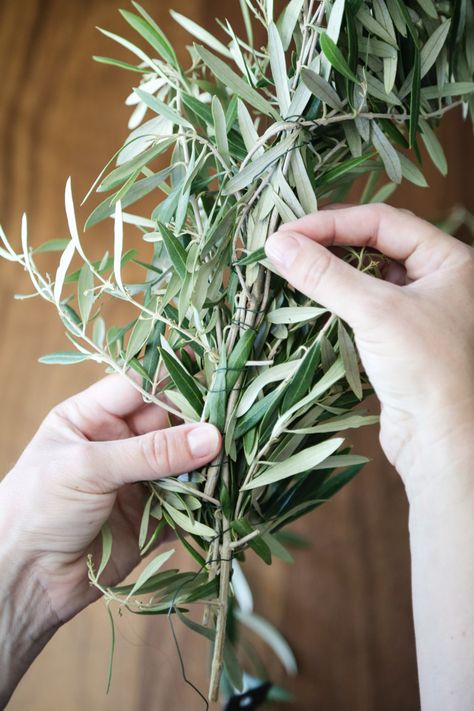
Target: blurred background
{"x":344,"y":605}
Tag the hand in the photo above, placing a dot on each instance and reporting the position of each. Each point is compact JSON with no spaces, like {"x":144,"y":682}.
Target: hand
{"x":81,"y":470}
{"x":414,"y":331}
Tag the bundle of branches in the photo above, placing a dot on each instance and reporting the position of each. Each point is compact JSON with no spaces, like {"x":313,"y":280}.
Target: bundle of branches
{"x":251,"y":137}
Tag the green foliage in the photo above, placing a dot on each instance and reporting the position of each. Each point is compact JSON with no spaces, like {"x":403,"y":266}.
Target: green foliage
{"x":251,"y":138}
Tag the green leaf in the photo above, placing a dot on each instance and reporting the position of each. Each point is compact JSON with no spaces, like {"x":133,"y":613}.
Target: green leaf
{"x":373,"y":26}
{"x":387,"y":153}
{"x":175,"y":249}
{"x":52,"y":245}
{"x":184,"y":522}
{"x":239,"y":357}
{"x":350,"y":360}
{"x":434,"y":147}
{"x":183,"y":381}
{"x":242,"y":528}
{"x":336,"y":58}
{"x":301,"y":380}
{"x":274,"y":374}
{"x":64,"y":358}
{"x":117,"y":63}
{"x":139,"y":336}
{"x":258,"y":167}
{"x":120,"y":174}
{"x":415,"y":99}
{"x":305,"y":460}
{"x":278,"y":67}
{"x":411,"y":172}
{"x":149,"y":30}
{"x":85,"y":293}
{"x":151,"y":569}
{"x":433,"y":47}
{"x":456,"y":88}
{"x":239,"y":86}
{"x":106,"y":540}
{"x":138,"y":190}
{"x":216,"y":400}
{"x":295,"y":314}
{"x":220,"y":126}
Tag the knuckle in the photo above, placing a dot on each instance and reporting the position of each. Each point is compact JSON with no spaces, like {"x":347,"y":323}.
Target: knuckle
{"x":157,"y":452}
{"x":314,"y":269}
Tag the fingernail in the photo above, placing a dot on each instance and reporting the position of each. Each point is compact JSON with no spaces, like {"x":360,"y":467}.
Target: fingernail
{"x":282,"y":249}
{"x":203,"y":440}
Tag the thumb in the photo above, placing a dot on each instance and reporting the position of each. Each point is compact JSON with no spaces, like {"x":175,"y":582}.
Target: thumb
{"x":318,"y":273}
{"x":167,"y":452}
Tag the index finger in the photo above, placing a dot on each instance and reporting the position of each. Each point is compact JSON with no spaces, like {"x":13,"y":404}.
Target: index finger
{"x":400,"y":235}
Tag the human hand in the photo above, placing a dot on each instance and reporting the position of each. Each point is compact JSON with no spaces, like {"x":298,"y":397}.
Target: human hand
{"x":414,"y":331}
{"x":81,"y":470}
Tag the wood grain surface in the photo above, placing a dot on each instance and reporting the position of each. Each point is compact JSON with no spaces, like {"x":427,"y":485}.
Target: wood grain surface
{"x":345,"y":603}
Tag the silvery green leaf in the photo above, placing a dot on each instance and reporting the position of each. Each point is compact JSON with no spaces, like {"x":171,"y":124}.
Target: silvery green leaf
{"x":274,"y":374}
{"x":200,"y":33}
{"x":184,"y":522}
{"x":338,"y":424}
{"x":434,"y":147}
{"x":142,"y":56}
{"x":247,"y":129}
{"x":85,"y":293}
{"x":383,"y":193}
{"x":280,"y":184}
{"x":397,"y":16}
{"x":457,"y":88}
{"x":145,"y":522}
{"x":341,"y":460}
{"x":429,"y":7}
{"x":98,"y":331}
{"x":106,"y":540}
{"x":143,"y":138}
{"x":71,"y":219}
{"x":278,"y":67}
{"x":382,"y":15}
{"x":390,"y":65}
{"x":303,"y":461}
{"x":373,"y":26}
{"x":353,"y":138}
{"x":350,"y":360}
{"x":151,"y":87}
{"x":434,"y":44}
{"x":178,"y":400}
{"x":376,"y":88}
{"x":387,"y":153}
{"x":287,"y":21}
{"x":220,"y":127}
{"x":335,"y":373}
{"x":63,"y":358}
{"x":379,"y":48}
{"x":228,"y":77}
{"x":269,"y":9}
{"x":285,"y":212}
{"x":263,"y":629}
{"x":242,"y":590}
{"x":139,"y":336}
{"x":411,"y":172}
{"x":322,"y":89}
{"x":151,"y":569}
{"x":256,"y":168}
{"x":118,"y":245}
{"x":64,"y":264}
{"x":162,"y":109}
{"x":296,"y":314}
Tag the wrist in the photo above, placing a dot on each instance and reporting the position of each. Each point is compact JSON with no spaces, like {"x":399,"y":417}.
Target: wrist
{"x":27,"y":621}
